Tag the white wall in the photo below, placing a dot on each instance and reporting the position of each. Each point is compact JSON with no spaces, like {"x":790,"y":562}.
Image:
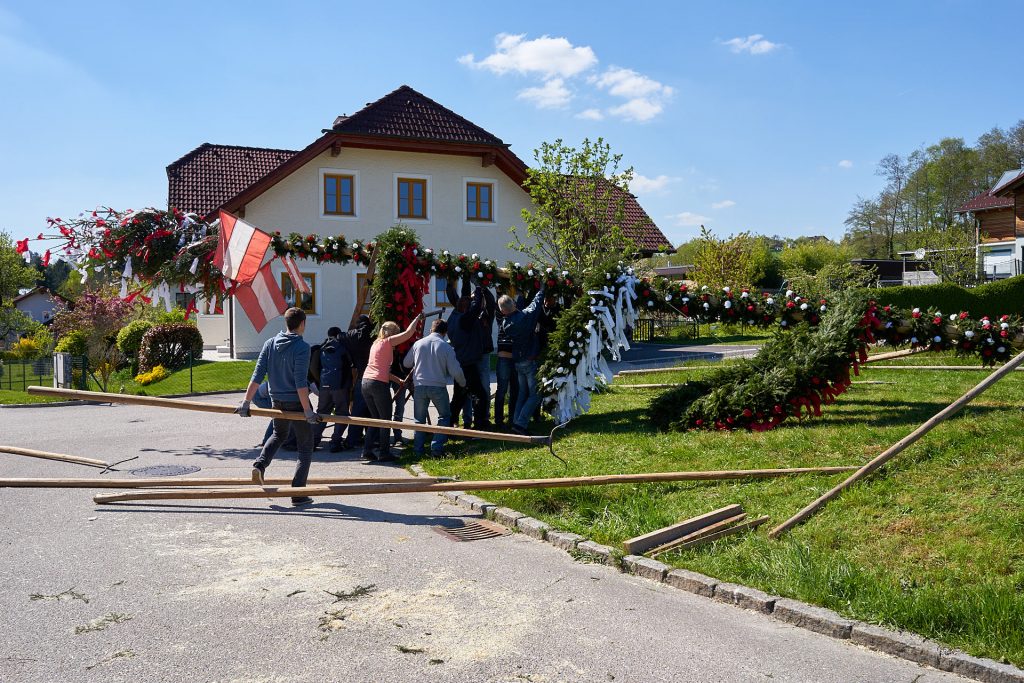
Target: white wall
{"x":295,"y":205}
{"x":1001,"y":259}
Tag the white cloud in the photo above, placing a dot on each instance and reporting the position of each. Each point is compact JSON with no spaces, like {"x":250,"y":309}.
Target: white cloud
{"x":724,"y":204}
{"x":560,"y":67}
{"x":552,"y":95}
{"x":754,"y":44}
{"x":641,"y":184}
{"x":688,"y":219}
{"x":845,"y":163}
{"x":645,"y":96}
{"x":546,"y":56}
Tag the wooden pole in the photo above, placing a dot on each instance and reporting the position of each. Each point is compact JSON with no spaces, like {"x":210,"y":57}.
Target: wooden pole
{"x":181,"y":404}
{"x":743,"y":526}
{"x":659,"y":537}
{"x":699,"y":533}
{"x":975,"y":368}
{"x":415,"y":486}
{"x":678,"y":368}
{"x":174,"y":482}
{"x":899,"y":446}
{"x":669,"y":385}
{"x":31,"y":453}
{"x":891,"y":354}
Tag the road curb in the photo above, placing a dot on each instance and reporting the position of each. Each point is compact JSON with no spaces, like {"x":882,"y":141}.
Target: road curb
{"x":903,"y":645}
{"x":54,"y":404}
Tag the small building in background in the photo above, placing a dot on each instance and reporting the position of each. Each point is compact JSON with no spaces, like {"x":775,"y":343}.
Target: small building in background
{"x":999,"y":217}
{"x":902,"y":271}
{"x":40,"y":304}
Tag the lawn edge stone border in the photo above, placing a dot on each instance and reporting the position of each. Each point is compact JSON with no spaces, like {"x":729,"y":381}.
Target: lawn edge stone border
{"x":900,"y":644}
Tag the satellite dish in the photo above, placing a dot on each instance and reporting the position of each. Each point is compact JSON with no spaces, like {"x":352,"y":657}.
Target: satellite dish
{"x":919,"y":254}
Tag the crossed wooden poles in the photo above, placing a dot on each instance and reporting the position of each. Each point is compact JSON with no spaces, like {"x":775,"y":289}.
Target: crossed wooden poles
{"x":362,"y":487}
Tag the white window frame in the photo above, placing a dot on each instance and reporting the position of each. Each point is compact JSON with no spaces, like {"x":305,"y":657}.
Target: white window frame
{"x":317,"y":283}
{"x":493,"y":182}
{"x":429,"y":198}
{"x":355,"y":194}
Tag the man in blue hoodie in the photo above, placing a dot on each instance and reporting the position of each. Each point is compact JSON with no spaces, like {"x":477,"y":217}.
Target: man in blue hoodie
{"x":284,"y":360}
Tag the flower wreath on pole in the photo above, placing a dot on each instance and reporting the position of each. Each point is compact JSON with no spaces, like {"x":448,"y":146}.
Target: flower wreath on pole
{"x":793,"y":375}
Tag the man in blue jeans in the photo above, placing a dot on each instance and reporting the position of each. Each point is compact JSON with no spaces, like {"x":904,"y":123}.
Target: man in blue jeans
{"x":284,"y":361}
{"x":433,"y":362}
{"x":520,"y":328}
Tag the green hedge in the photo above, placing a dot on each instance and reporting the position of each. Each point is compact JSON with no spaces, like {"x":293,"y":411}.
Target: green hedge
{"x":991,"y":299}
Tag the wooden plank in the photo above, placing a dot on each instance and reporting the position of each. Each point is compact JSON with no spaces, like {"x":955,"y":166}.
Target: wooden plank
{"x":414,"y":486}
{"x":643,"y":543}
{"x":700,"y":533}
{"x":181,"y":404}
{"x":899,"y":446}
{"x":744,"y":526}
{"x":32,"y":453}
{"x":975,"y":368}
{"x":173,"y":482}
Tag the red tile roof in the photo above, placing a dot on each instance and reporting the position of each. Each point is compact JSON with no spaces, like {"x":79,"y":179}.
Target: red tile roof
{"x":205,"y":178}
{"x":640,"y":228}
{"x":986,"y":201}
{"x":406,"y":113}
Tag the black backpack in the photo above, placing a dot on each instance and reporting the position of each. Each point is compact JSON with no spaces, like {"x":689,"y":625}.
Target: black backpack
{"x":315,"y":363}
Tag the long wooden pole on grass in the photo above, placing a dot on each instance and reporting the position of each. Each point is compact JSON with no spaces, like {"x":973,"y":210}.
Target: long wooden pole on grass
{"x":32,"y":453}
{"x":415,"y":486}
{"x":872,"y":359}
{"x":899,"y":446}
{"x":177,"y":403}
{"x":175,"y":482}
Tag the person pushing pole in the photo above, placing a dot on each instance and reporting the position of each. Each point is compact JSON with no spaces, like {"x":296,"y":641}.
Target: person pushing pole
{"x":284,"y":360}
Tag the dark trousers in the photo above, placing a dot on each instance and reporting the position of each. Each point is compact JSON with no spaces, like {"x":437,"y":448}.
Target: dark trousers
{"x":303,"y":432}
{"x":508,"y":386}
{"x":378,"y":402}
{"x":355,"y":432}
{"x":473,"y":391}
{"x":333,"y":401}
{"x":401,"y":398}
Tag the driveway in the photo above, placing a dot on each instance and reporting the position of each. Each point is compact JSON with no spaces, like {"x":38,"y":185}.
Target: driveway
{"x":351,"y":589}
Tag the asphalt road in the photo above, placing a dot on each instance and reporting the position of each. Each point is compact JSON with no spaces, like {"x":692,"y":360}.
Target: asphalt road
{"x":239,"y":591}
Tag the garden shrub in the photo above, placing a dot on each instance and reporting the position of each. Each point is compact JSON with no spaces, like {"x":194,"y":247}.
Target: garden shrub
{"x":129,"y":338}
{"x":991,"y":299}
{"x":75,"y":342}
{"x":169,"y":345}
{"x":155,"y":375}
{"x":25,"y":349}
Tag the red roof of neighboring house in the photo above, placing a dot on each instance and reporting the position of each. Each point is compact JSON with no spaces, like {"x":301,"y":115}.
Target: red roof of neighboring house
{"x":638,"y":226}
{"x":205,"y":178}
{"x":985,"y":202}
{"x":406,"y":113}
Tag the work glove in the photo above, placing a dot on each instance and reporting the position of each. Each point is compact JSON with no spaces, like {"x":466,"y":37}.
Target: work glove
{"x":243,"y":409}
{"x":312,"y":417}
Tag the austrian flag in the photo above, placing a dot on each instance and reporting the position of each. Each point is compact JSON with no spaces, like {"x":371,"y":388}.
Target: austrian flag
{"x":261,"y":299}
{"x":295,"y":276}
{"x":240,"y":248}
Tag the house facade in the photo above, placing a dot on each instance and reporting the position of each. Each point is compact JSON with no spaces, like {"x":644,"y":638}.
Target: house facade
{"x":402,"y":159}
{"x":999,"y":216}
{"x":40,"y":304}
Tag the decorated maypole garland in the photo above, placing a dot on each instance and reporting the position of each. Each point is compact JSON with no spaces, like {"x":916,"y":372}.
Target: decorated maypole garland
{"x":158,"y":252}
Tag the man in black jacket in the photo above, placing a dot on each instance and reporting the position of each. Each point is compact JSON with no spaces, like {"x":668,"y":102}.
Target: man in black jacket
{"x":357,"y":342}
{"x":469,"y":349}
{"x":335,"y":381}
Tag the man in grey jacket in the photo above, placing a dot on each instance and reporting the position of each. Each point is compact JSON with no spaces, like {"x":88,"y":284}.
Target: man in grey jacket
{"x":433,"y":363}
{"x":284,"y":360}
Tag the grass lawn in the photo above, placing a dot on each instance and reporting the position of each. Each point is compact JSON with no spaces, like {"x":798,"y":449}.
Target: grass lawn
{"x":206,"y":376}
{"x":933,"y":543}
{"x":715,"y":334}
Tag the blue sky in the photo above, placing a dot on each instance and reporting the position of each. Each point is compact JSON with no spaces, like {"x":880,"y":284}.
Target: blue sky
{"x":756,"y":116}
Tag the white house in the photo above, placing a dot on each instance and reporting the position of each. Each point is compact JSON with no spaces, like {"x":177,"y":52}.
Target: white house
{"x":403,"y":158}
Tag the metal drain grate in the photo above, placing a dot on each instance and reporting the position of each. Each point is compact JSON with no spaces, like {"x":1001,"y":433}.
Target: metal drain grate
{"x":165,"y":471}
{"x":472,"y":531}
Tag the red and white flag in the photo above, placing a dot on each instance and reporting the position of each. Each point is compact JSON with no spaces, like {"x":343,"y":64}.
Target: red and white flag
{"x":240,"y":248}
{"x":298,"y":281}
{"x":261,"y":299}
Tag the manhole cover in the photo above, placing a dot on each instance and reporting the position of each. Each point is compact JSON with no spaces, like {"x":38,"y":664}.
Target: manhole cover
{"x":473,"y":531}
{"x":165,"y":470}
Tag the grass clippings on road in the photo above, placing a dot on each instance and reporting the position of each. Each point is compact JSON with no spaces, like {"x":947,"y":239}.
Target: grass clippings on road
{"x":932,"y":543}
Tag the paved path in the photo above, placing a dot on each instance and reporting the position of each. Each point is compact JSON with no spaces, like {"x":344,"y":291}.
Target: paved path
{"x":660,"y":355}
{"x":235,"y":591}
